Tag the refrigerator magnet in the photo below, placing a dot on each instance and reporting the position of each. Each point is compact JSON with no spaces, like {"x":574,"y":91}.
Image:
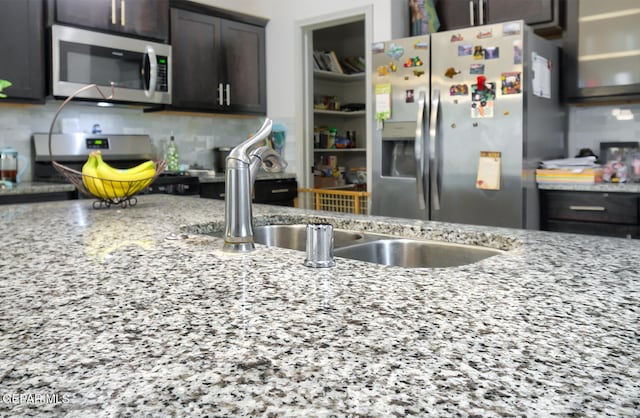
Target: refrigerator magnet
{"x":477,"y":69}
{"x":465,"y":50}
{"x":421,"y":45}
{"x":491,"y":53}
{"x":383,"y":101}
{"x":377,"y":47}
{"x":409,"y":96}
{"x":517,"y":51}
{"x":483,"y":95}
{"x":459,"y":90}
{"x":488,"y":177}
{"x":383,"y":70}
{"x":511,"y":28}
{"x":395,"y":51}
{"x":511,"y":83}
{"x":413,"y":62}
{"x":484,"y":35}
{"x":451,"y":72}
{"x":456,"y":37}
{"x":478,"y":52}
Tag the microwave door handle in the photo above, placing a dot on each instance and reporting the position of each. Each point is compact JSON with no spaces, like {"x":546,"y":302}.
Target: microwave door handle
{"x":418,"y":147}
{"x":153,"y":71}
{"x":434,"y":162}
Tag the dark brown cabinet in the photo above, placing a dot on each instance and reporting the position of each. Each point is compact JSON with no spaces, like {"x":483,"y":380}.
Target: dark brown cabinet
{"x":595,"y":213}
{"x":281,"y":192}
{"x":218,"y":64}
{"x":143,"y":18}
{"x":22,"y":49}
{"x":545,"y":16}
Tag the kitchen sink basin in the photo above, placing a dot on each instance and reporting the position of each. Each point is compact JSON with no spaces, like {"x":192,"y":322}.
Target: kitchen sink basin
{"x":378,"y":248}
{"x":295,"y":236}
{"x":411,"y":253}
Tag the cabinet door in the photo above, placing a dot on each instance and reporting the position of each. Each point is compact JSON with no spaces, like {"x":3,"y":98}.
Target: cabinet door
{"x":456,"y":14}
{"x":195,"y":40}
{"x":22,"y":49}
{"x":145,"y":18}
{"x":95,"y":14}
{"x":244,"y":67}
{"x":531,"y":11}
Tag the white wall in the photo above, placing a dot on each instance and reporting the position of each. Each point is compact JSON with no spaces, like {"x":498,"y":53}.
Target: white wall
{"x":284,"y":63}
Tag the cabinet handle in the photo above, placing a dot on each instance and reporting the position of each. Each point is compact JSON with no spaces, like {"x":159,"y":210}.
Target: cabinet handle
{"x":279,"y":190}
{"x":122,"y":22}
{"x":481,"y":12}
{"x":113,"y":12}
{"x":220,"y":94}
{"x":228,"y":94}
{"x":471,"y":16}
{"x":588,"y":208}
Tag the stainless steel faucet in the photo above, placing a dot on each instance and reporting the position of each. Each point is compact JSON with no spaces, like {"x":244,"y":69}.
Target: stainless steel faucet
{"x":243,"y":163}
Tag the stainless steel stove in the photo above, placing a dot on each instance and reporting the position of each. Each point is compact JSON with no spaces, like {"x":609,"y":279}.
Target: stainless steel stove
{"x":120,"y":151}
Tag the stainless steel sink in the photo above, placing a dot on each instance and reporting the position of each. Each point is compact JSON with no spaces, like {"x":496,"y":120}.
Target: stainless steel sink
{"x":295,"y":236}
{"x":378,"y":248}
{"x":415,"y":253}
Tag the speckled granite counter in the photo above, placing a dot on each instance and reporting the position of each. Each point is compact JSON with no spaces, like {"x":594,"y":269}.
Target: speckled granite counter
{"x":131,"y":312}
{"x":36,"y":188}
{"x":599,"y":187}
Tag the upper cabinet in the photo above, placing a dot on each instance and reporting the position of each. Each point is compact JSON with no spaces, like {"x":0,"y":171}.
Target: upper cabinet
{"x":602,"y":51}
{"x":143,"y":18}
{"x":22,"y":49}
{"x":218,"y":61}
{"x":545,"y":16}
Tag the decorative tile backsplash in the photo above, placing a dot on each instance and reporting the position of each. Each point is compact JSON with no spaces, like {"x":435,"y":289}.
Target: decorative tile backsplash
{"x":195,"y":135}
{"x":590,"y":125}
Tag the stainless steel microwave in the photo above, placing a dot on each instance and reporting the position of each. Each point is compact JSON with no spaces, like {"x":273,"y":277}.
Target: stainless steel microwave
{"x":138,"y":70}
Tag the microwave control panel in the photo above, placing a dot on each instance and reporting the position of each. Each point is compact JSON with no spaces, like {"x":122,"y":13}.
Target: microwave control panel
{"x":162,"y":84}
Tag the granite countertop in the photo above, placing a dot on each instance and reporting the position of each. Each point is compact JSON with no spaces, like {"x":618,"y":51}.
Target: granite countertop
{"x":136,"y":312}
{"x":598,"y":187}
{"x":34,"y":187}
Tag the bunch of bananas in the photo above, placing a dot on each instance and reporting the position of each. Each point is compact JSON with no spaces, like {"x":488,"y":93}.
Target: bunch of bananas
{"x":109,"y":183}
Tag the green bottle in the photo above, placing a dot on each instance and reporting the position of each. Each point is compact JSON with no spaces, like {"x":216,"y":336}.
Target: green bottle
{"x":172,"y":157}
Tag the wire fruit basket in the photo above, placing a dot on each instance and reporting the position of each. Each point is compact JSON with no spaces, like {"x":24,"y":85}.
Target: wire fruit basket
{"x":108,"y":191}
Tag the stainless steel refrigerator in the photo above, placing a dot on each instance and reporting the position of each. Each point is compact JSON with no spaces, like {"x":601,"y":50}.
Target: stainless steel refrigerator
{"x":461,"y":120}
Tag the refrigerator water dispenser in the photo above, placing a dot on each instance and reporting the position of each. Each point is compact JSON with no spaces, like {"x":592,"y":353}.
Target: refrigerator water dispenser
{"x":398,"y":152}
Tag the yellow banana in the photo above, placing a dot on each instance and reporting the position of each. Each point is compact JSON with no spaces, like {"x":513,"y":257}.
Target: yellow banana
{"x":120,"y":183}
{"x":90,"y":177}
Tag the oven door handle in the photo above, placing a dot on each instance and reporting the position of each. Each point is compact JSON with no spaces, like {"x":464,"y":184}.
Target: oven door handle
{"x":153,"y":71}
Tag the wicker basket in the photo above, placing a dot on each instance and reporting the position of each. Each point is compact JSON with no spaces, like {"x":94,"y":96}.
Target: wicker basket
{"x":112,"y":192}
{"x":346,"y":201}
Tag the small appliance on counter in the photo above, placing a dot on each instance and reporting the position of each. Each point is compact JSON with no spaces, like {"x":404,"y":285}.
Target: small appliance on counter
{"x":10,"y":170}
{"x":120,"y":151}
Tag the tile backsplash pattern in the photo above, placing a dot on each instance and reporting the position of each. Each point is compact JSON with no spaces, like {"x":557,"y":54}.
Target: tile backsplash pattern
{"x":590,"y":125}
{"x":195,"y":135}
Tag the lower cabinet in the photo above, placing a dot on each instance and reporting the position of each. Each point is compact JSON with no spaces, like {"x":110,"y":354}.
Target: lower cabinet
{"x":280,"y":192}
{"x":595,"y":213}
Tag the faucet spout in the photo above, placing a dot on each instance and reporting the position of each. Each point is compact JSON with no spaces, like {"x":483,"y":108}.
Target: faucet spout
{"x":243,"y":163}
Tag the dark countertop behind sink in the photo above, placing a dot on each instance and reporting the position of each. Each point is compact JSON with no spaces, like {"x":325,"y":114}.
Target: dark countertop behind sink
{"x":138,"y":312}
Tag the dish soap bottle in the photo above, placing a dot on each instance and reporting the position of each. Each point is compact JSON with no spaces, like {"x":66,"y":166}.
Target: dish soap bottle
{"x":172,"y":157}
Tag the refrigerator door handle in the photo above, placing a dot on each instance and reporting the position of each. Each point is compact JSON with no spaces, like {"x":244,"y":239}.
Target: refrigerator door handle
{"x":471,"y":14}
{"x":434,"y":162}
{"x":481,"y":12}
{"x":418,"y":148}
